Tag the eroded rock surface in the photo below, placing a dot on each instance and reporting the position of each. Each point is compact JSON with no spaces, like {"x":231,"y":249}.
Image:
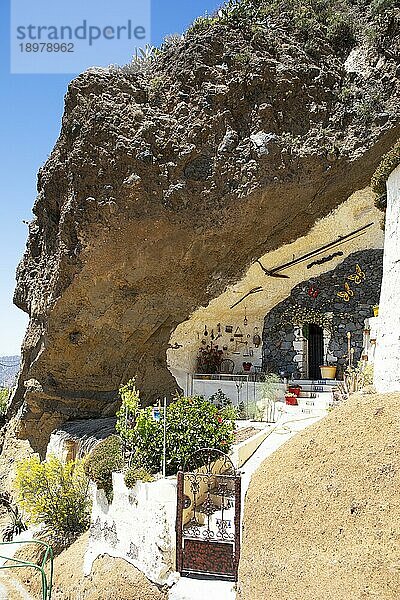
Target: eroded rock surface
{"x":165,"y":184}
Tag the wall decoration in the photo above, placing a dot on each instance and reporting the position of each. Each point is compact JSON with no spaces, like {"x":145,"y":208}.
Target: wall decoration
{"x":245,"y":321}
{"x":253,"y":291}
{"x":228,"y":328}
{"x":205,"y":331}
{"x":324,"y":259}
{"x":358,"y":276}
{"x":347,"y":294}
{"x":313,"y":292}
{"x":301,"y":315}
{"x":238,"y":332}
{"x":256,"y":338}
{"x":281,"y":339}
{"x":338,"y":242}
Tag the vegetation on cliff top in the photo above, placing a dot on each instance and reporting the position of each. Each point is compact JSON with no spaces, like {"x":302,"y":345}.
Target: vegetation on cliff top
{"x":378,"y":182}
{"x":340,"y":22}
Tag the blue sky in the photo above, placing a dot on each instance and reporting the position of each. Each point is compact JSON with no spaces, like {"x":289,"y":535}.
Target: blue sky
{"x":31,"y":107}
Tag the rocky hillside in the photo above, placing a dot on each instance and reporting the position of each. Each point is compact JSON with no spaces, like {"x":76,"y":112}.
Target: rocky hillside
{"x":171,"y":175}
{"x":9,"y":367}
{"x":323,"y":511}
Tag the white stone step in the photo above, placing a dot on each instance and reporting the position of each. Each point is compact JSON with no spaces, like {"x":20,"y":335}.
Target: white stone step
{"x":305,"y":382}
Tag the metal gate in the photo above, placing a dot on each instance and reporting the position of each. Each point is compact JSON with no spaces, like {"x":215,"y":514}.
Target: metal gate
{"x":208,"y":516}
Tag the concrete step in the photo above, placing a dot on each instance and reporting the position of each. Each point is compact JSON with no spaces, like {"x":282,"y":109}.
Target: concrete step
{"x":315,"y":386}
{"x":305,"y":382}
{"x":314,"y":394}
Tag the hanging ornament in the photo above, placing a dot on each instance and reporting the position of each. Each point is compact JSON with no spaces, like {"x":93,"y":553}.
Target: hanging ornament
{"x":212,"y":334}
{"x":219,"y":328}
{"x":205,"y":331}
{"x":245,"y":321}
{"x":256,"y":338}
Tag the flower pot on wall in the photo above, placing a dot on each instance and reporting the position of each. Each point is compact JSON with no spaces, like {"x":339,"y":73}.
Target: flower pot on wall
{"x":295,"y":389}
{"x":291,"y":400}
{"x":327,"y":372}
{"x":376,"y":310}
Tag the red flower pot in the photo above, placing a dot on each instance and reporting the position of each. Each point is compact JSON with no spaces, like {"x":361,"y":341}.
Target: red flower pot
{"x":295,"y":390}
{"x":291,"y":400}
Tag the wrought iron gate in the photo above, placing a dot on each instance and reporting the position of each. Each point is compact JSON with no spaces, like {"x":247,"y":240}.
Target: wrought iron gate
{"x":208,"y":516}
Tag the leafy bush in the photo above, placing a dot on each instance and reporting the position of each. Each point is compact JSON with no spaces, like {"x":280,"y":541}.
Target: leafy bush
{"x":129,"y":411}
{"x":269,"y":395}
{"x":54,"y":493}
{"x":220,"y":399}
{"x":3,"y":401}
{"x":104,"y":459}
{"x":222,"y":402}
{"x":134,"y":474}
{"x":192,"y":423}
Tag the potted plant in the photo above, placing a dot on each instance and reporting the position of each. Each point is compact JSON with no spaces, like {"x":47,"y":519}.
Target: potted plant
{"x":295,"y":389}
{"x":209,"y":360}
{"x":291,"y":399}
{"x":328,"y":370}
{"x":375,"y":308}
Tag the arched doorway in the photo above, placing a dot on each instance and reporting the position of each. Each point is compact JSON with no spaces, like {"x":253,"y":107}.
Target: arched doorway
{"x":315,"y":350}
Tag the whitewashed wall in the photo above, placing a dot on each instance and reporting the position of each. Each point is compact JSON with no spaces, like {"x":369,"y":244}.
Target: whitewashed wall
{"x":387,"y":357}
{"x":138,"y":526}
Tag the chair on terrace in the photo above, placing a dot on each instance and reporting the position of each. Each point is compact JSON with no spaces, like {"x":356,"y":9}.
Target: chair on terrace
{"x":227,"y":366}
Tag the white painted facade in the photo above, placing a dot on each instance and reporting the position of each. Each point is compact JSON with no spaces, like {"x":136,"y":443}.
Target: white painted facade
{"x":138,"y":526}
{"x":387,"y":357}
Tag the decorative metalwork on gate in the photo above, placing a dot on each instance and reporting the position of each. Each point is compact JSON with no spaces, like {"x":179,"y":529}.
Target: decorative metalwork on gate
{"x":208,"y":516}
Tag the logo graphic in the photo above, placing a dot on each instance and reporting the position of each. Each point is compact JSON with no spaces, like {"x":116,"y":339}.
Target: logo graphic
{"x":48,"y":36}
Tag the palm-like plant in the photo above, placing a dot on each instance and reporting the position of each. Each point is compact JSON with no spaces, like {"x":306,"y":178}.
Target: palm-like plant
{"x":16,"y":524}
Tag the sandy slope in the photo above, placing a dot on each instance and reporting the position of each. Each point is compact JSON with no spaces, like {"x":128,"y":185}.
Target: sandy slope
{"x":322,"y":515}
{"x":111,"y":579}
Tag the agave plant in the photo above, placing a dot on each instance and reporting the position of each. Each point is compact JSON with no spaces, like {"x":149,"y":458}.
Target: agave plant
{"x":16,"y":524}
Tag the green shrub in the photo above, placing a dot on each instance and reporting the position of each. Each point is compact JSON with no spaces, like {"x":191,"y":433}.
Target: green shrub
{"x":378,"y":182}
{"x":4,"y":392}
{"x":146,"y":441}
{"x":129,"y":411}
{"x":192,"y":423}
{"x":16,"y":524}
{"x":105,"y":459}
{"x":222,"y":402}
{"x":134,"y":474}
{"x":54,"y":493}
{"x":220,"y":399}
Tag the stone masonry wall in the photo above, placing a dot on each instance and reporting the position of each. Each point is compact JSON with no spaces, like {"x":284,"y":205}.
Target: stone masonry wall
{"x":387,"y":359}
{"x":358,"y":281}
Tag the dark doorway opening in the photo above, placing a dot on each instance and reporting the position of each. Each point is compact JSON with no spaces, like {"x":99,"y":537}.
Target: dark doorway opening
{"x":315,"y":351}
